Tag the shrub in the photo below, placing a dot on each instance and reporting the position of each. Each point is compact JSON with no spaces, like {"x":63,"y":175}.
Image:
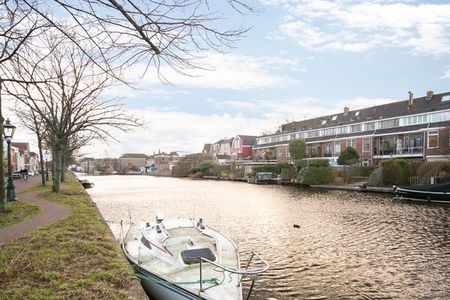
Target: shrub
{"x":297,"y":149}
{"x":396,"y":171}
{"x":315,"y":175}
{"x":319,"y":163}
{"x":203,"y":168}
{"x":272,"y":168}
{"x":355,"y":173}
{"x":348,"y":157}
{"x":366,"y":170}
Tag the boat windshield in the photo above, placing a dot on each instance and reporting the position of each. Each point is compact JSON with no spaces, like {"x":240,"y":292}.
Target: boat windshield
{"x":145,"y":242}
{"x":192,"y":256}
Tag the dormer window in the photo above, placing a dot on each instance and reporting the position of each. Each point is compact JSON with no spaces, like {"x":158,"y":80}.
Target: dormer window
{"x":324,"y":122}
{"x":356,"y":113}
{"x":334,"y":118}
{"x":446,"y":98}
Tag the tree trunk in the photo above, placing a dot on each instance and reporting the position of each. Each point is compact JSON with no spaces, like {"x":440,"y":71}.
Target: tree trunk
{"x":41,"y":160}
{"x":64,"y":162}
{"x":63,"y":167}
{"x":57,"y":165}
{"x":2,"y":169}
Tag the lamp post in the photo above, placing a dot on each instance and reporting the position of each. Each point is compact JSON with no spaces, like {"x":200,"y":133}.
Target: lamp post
{"x":46,"y":165}
{"x":8,"y":133}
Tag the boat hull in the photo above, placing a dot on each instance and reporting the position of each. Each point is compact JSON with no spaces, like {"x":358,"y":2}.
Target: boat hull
{"x":432,"y":193}
{"x":159,"y":289}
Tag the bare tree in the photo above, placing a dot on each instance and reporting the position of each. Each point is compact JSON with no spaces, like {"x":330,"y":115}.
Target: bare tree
{"x":156,"y":32}
{"x":35,"y":124}
{"x":17,"y":27}
{"x":114,"y":34}
{"x":70,"y":105}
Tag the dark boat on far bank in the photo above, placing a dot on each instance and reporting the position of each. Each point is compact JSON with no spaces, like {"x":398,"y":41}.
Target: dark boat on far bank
{"x":434,"y":192}
{"x":87,"y":184}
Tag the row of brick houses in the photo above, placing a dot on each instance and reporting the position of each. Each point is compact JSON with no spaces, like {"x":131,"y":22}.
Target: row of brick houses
{"x":21,"y":157}
{"x":238,"y":148}
{"x":417,"y":128}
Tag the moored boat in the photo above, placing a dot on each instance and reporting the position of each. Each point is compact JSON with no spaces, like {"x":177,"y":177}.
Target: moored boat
{"x":185,"y":259}
{"x":86,"y":184}
{"x":434,"y":192}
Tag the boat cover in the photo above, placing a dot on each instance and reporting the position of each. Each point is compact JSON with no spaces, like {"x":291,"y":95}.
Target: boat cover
{"x":192,"y":256}
{"x":440,"y":187}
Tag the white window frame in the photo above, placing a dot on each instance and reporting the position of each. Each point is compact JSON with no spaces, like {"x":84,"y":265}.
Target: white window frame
{"x":351,"y":143}
{"x":363,"y":143}
{"x":337,"y":144}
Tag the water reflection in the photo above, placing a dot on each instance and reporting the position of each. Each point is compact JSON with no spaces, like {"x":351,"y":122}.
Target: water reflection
{"x":349,"y":245}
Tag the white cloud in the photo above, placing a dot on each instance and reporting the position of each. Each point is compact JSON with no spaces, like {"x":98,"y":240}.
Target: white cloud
{"x":223,"y":71}
{"x":171,"y":130}
{"x":446,"y":75}
{"x":357,"y":27}
{"x":180,"y":131}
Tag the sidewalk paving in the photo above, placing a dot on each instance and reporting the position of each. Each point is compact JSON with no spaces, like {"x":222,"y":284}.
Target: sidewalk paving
{"x":51,"y":212}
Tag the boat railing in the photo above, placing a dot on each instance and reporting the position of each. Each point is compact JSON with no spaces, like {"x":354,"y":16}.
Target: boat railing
{"x":252,"y":273}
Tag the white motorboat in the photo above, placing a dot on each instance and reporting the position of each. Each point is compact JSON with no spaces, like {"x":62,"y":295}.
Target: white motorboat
{"x":185,"y":259}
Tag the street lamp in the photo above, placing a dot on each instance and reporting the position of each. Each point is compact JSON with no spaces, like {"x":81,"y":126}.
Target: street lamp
{"x":8,"y":133}
{"x":46,"y":166}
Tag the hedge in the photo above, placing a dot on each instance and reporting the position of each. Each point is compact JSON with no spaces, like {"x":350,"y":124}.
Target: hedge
{"x":315,"y":175}
{"x":396,"y":171}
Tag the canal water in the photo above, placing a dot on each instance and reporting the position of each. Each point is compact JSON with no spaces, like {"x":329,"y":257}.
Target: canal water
{"x":349,"y":245}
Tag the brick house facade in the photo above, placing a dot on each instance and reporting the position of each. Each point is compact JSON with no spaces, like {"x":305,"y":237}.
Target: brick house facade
{"x":417,"y":128}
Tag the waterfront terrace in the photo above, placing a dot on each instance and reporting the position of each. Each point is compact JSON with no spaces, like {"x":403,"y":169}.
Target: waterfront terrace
{"x":417,"y":128}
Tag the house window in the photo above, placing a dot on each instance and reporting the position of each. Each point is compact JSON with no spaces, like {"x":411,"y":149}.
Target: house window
{"x":314,"y":133}
{"x":327,"y":150}
{"x":337,"y":148}
{"x":388,"y":123}
{"x":356,"y":128}
{"x":351,"y":143}
{"x":433,"y":139}
{"x":369,"y":126}
{"x":366,"y":145}
{"x":334,"y":118}
{"x":446,"y":98}
{"x":341,"y":130}
{"x":328,"y":131}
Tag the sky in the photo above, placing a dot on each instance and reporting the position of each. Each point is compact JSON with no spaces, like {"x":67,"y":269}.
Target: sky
{"x":301,"y":59}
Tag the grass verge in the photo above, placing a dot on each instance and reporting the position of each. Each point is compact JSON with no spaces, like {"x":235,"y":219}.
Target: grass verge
{"x":75,"y":258}
{"x":18,"y":211}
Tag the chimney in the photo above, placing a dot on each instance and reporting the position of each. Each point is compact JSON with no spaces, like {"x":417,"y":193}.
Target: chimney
{"x":429,"y":95}
{"x":411,"y":100}
{"x":346,"y":110}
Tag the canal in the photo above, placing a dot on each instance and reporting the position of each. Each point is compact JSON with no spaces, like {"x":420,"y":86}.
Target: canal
{"x":349,"y":245}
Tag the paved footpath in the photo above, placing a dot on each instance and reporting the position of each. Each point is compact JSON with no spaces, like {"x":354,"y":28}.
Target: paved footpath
{"x":51,"y":212}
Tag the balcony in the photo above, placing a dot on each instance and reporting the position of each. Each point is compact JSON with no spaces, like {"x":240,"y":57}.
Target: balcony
{"x":393,"y":153}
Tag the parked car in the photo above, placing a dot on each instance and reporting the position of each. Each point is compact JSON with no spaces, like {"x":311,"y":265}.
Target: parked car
{"x":16,"y":175}
{"x":31,"y":173}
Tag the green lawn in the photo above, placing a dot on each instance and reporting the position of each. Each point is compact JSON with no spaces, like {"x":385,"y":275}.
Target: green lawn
{"x":76,"y":258}
{"x":18,"y":211}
